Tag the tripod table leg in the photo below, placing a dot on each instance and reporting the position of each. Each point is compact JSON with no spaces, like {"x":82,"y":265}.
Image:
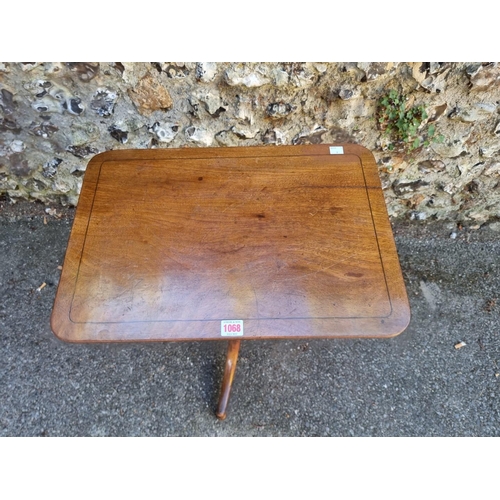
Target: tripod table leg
{"x":232,"y":357}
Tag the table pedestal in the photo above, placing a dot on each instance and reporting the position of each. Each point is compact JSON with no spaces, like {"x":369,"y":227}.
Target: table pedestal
{"x":227,"y":381}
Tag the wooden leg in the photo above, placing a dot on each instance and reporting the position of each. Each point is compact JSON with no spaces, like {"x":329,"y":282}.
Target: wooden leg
{"x":233,"y":349}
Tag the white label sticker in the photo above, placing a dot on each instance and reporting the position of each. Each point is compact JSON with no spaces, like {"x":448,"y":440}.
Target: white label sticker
{"x":231,"y":327}
{"x":336,"y":150}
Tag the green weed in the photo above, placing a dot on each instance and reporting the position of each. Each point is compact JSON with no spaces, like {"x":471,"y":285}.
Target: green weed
{"x":402,"y":125}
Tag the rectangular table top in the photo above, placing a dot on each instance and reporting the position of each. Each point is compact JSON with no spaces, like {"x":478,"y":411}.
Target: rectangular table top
{"x":253,"y":242}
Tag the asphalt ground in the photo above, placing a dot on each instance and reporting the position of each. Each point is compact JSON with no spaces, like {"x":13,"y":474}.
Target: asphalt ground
{"x":416,"y":384}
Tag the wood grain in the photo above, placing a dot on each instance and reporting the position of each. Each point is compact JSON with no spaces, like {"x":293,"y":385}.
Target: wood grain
{"x":292,"y":240}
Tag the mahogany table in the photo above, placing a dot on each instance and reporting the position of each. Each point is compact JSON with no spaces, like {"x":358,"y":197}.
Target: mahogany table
{"x":230,"y":244}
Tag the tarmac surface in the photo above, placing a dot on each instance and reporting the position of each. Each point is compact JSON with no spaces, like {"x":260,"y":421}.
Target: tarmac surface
{"x":416,"y":384}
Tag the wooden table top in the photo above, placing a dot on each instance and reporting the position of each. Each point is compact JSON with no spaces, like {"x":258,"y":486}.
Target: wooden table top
{"x":282,"y":242}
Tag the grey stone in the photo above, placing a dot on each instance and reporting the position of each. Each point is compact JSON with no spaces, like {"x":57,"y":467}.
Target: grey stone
{"x":279,"y":109}
{"x":492,"y":169}
{"x":244,"y":110}
{"x":436,"y":83}
{"x":489,"y":147}
{"x":429,"y":166}
{"x":269,"y":137}
{"x":212,"y":102}
{"x":43,"y":129}
{"x":280,"y":77}
{"x":300,"y":75}
{"x":53,"y":98}
{"x":118,"y":133}
{"x":176,"y":70}
{"x":82,"y":151}
{"x":485,"y":78}
{"x":274,"y":136}
{"x":164,"y":132}
{"x":374,"y":70}
{"x":74,"y":106}
{"x":50,"y":168}
{"x":226,"y":138}
{"x":47,"y":104}
{"x":17,"y":146}
{"x":244,"y":132}
{"x":451,"y":149}
{"x":7,"y":124}
{"x":437,"y":112}
{"x":473,"y":68}
{"x":419,"y":72}
{"x":346,"y":93}
{"x":437,"y":67}
{"x":245,"y":78}
{"x":402,"y":188}
{"x":206,"y":71}
{"x":64,"y":184}
{"x":312,"y":136}
{"x":7,"y":103}
{"x":85,"y":71}
{"x":474,"y":113}
{"x":418,"y":216}
{"x":320,"y":67}
{"x":199,"y":135}
{"x":5,"y":149}
{"x":103,"y":101}
{"x":28,"y":66}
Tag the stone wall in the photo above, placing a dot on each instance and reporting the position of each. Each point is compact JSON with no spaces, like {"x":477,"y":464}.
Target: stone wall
{"x":55,"y":116}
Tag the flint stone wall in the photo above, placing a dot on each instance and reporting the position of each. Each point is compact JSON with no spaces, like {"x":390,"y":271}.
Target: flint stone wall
{"x":55,"y":116}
